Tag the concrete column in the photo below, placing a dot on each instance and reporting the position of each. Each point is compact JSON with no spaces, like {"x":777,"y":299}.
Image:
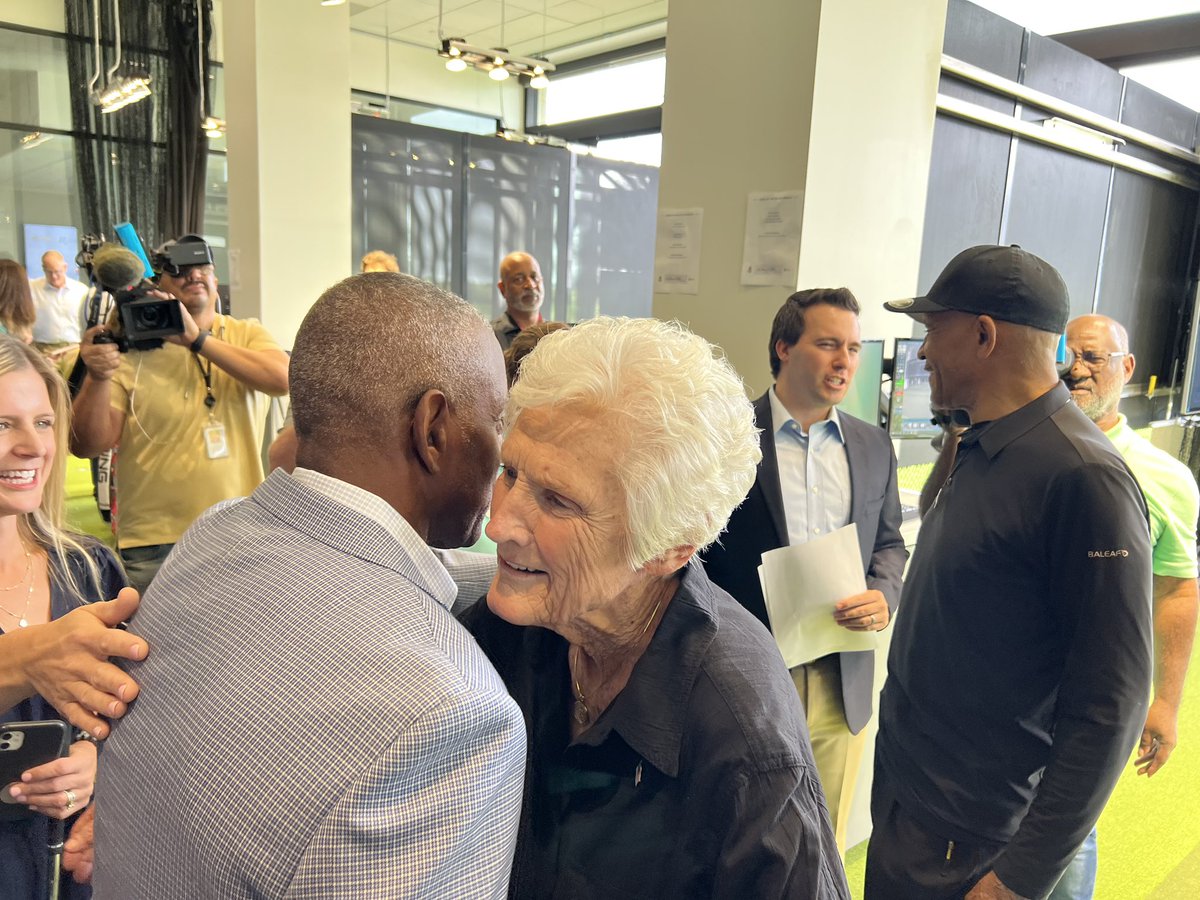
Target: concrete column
{"x":833,"y":98}
{"x":287,"y":97}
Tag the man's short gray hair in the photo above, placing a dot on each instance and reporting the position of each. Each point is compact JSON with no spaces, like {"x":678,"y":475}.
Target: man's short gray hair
{"x":371,"y":346}
{"x":680,"y":410}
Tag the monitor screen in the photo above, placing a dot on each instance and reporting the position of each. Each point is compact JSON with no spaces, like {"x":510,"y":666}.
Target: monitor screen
{"x":1190,"y":403}
{"x":862,"y":398}
{"x":909,"y":415}
{"x":40,"y":238}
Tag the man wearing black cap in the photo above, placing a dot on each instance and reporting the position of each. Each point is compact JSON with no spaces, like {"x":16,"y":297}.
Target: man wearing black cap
{"x":186,"y":415}
{"x":1019,"y":671}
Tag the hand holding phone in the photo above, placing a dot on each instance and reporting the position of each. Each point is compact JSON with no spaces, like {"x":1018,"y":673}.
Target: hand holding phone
{"x":24,"y":746}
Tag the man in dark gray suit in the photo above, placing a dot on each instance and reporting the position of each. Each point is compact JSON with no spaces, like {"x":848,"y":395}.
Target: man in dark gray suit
{"x":314,"y":722}
{"x":821,"y":469}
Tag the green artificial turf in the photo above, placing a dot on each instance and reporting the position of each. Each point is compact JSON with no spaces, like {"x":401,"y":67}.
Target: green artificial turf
{"x":82,"y":514}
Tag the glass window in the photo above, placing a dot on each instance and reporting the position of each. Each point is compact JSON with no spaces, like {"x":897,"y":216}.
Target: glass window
{"x":34,"y":85}
{"x":632,"y":84}
{"x":397,"y":110}
{"x":37,"y":186}
{"x":640,"y":148}
{"x":216,"y":213}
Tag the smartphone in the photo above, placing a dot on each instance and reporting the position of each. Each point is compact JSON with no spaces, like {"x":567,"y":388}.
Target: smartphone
{"x":24,"y":745}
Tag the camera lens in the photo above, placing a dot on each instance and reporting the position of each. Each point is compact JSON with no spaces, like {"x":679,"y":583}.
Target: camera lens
{"x":149,"y":317}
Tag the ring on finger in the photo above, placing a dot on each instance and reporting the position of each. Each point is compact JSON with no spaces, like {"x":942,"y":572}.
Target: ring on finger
{"x":70,"y":800}
{"x":872,"y":620}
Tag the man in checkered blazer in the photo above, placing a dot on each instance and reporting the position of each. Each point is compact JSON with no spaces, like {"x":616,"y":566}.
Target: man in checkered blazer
{"x":313,"y":721}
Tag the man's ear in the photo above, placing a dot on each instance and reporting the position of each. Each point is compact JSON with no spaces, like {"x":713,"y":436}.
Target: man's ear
{"x":669,"y":562}
{"x":1128,"y":364}
{"x":781,"y":349}
{"x":985,"y":336}
{"x":430,"y":430}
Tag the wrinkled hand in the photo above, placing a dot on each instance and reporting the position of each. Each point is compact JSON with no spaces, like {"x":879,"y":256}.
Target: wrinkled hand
{"x":102,"y":360}
{"x":1158,"y":738}
{"x":79,"y":852}
{"x":992,"y":888}
{"x":70,"y":667}
{"x":44,"y":788}
{"x":867,"y":611}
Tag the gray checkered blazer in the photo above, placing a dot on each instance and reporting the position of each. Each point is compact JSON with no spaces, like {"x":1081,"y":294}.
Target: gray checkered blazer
{"x":313,"y":722}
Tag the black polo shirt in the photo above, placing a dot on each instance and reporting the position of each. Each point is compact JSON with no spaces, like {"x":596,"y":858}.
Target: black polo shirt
{"x":505,"y":329}
{"x":1020,"y":668}
{"x":696,"y":781}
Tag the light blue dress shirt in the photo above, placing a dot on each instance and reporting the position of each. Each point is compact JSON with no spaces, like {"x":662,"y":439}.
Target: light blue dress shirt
{"x":814,"y":474}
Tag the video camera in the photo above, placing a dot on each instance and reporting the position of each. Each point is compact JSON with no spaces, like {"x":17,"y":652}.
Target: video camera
{"x":142,"y":321}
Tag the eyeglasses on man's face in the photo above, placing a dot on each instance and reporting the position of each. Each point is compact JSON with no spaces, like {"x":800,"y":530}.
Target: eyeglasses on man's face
{"x":1095,"y":360}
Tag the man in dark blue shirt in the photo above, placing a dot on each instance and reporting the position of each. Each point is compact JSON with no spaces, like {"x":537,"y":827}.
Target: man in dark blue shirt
{"x":1020,"y":667}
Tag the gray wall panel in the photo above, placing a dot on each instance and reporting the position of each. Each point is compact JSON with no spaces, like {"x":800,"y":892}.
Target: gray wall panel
{"x":1057,"y":211}
{"x":1145,"y":256}
{"x":966,"y":192}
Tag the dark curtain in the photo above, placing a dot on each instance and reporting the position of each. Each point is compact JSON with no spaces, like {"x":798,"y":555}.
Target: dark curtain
{"x":181,"y":208}
{"x":145,"y":163}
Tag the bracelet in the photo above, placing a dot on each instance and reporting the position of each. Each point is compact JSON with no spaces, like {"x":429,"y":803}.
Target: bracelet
{"x":199,"y":341}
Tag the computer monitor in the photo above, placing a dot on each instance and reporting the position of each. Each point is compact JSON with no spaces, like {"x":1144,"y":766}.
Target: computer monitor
{"x":909,"y":413}
{"x":862,"y":398}
{"x":1190,"y":403}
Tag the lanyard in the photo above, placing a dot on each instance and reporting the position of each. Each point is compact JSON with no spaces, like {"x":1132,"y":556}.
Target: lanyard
{"x":209,"y":400}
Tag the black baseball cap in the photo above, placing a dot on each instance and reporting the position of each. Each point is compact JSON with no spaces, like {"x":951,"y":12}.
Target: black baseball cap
{"x":1006,"y":283}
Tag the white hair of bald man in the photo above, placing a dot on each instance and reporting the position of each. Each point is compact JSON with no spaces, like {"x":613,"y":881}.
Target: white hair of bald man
{"x":680,"y":410}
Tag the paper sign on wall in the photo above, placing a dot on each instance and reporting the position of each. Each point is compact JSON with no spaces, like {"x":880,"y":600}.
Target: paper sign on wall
{"x":771,"y":253}
{"x":677,"y":251}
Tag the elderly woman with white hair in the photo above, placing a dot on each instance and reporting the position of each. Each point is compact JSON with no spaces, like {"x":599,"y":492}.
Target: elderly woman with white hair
{"x":668,"y":755}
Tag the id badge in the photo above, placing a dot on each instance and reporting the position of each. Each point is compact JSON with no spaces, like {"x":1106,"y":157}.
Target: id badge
{"x":215,"y":444}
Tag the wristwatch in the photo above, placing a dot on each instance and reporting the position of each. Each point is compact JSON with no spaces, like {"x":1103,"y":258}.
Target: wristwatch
{"x":199,"y":341}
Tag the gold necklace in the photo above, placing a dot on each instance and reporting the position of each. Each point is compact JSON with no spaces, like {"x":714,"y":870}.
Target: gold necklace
{"x":21,"y":620}
{"x":581,"y":713}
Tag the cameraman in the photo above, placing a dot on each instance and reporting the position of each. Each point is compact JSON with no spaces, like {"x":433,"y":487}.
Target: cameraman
{"x":186,"y":416}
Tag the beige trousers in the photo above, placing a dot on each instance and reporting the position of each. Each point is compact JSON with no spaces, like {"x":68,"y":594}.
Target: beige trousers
{"x":837,"y":752}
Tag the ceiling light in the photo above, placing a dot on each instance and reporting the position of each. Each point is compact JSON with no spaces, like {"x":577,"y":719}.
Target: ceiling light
{"x":539,"y":81}
{"x":332,"y":2}
{"x":496,"y":61}
{"x":33,"y":139}
{"x":213,"y":127}
{"x":119,"y":89}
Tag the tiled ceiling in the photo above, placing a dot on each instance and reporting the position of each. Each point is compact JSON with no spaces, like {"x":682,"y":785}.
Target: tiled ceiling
{"x":525,"y":27}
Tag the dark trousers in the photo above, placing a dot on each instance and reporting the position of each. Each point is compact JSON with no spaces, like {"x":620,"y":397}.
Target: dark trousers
{"x":142,"y":564}
{"x":906,"y":860}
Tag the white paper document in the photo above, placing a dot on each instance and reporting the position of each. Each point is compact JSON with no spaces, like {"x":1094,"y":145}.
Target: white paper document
{"x":677,"y":251}
{"x":771,"y":251}
{"x":801,"y":585}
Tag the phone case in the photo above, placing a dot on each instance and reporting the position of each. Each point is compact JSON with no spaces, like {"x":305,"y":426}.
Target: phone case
{"x":24,"y":745}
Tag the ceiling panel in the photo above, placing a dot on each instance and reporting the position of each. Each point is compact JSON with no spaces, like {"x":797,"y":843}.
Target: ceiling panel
{"x":530,"y":26}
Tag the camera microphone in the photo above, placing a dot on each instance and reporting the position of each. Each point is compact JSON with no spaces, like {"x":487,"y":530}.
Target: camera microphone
{"x":117,"y":268}
{"x":142,"y":320}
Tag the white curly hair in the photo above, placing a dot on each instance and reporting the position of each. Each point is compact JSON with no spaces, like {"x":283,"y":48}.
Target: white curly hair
{"x":691,"y":448}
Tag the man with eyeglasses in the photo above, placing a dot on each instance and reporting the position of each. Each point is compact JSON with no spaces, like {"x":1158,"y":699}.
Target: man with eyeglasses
{"x":188,"y":417}
{"x":522,"y":288}
{"x":1102,"y":365}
